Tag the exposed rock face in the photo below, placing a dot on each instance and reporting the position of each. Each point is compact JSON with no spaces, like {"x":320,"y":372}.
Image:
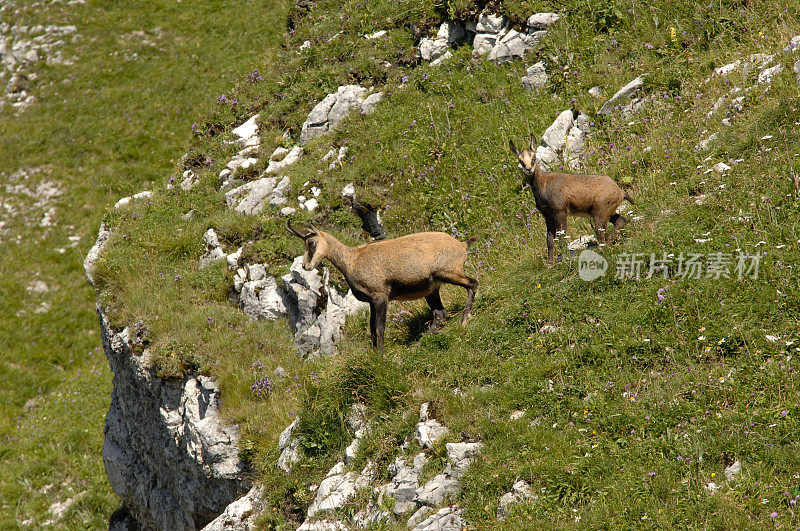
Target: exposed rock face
{"x":167,"y":453}
{"x":94,"y":253}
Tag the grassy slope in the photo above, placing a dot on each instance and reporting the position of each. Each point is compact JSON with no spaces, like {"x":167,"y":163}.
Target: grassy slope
{"x":628,"y":383}
{"x":103,"y":128}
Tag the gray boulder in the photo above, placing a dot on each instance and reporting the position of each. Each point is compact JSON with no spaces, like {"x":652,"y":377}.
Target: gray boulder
{"x":624,"y":97}
{"x":328,"y":113}
{"x":520,"y":491}
{"x":251,"y":197}
{"x":535,"y":76}
{"x":542,"y":21}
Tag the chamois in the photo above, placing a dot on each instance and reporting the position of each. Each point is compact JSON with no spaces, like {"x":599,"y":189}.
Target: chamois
{"x":559,"y":195}
{"x":406,"y":268}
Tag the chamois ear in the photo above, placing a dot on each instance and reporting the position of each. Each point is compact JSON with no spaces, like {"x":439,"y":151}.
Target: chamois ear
{"x":514,"y":149}
{"x":533,"y":142}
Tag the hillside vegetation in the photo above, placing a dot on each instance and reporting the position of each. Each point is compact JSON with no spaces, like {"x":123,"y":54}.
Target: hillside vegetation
{"x":636,"y":394}
{"x":113,"y":107}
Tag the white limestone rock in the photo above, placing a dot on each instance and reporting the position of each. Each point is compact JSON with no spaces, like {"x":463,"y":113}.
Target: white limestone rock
{"x":446,"y":519}
{"x":280,"y":160}
{"x":520,"y":491}
{"x":428,"y":432}
{"x":542,"y":21}
{"x":328,"y":113}
{"x":623,"y":96}
{"x":241,"y":514}
{"x":535,"y":76}
{"x":251,"y":197}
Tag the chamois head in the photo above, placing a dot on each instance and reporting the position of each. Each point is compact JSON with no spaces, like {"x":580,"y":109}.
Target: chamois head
{"x":527,"y":158}
{"x":316,"y":246}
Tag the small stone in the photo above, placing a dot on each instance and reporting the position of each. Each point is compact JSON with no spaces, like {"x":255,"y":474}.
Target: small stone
{"x":255,"y":271}
{"x":419,"y":516}
{"x":483,"y":43}
{"x":287,"y":211}
{"x":535,"y":76}
{"x":376,"y":35}
{"x":349,"y":191}
{"x":596,"y":91}
{"x":721,"y":167}
{"x":733,"y":471}
{"x":768,"y":74}
{"x":626,"y":92}
{"x":437,"y":490}
{"x":428,"y":432}
{"x":369,"y":103}
{"x":279,"y":373}
{"x":444,"y":57}
{"x":516,"y":415}
{"x":430,"y":49}
{"x":310,"y":205}
{"x":542,"y":21}
{"x":728,"y":68}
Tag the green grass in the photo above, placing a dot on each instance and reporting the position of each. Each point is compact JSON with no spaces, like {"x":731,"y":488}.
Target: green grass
{"x":102,"y":128}
{"x":636,"y":374}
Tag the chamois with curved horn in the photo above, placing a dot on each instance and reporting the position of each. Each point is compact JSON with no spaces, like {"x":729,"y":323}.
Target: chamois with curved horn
{"x":406,"y":268}
{"x":559,"y":195}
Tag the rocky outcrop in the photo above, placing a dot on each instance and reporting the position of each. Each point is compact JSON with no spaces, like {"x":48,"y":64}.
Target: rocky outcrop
{"x":411,"y":501}
{"x":169,"y":456}
{"x":316,"y":309}
{"x":328,"y":113}
{"x":241,"y":514}
{"x":491,"y":36}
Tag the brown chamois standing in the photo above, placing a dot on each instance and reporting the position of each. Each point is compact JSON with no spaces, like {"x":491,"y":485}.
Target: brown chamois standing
{"x":406,"y":268}
{"x":559,"y":195}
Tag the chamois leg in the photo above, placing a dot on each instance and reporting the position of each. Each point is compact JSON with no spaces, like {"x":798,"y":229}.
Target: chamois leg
{"x":377,"y":321}
{"x":373,"y":329}
{"x":561,"y":225}
{"x":551,"y":238}
{"x":435,"y":302}
{"x":619,"y":221}
{"x":468,"y":283}
{"x":600,"y":229}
